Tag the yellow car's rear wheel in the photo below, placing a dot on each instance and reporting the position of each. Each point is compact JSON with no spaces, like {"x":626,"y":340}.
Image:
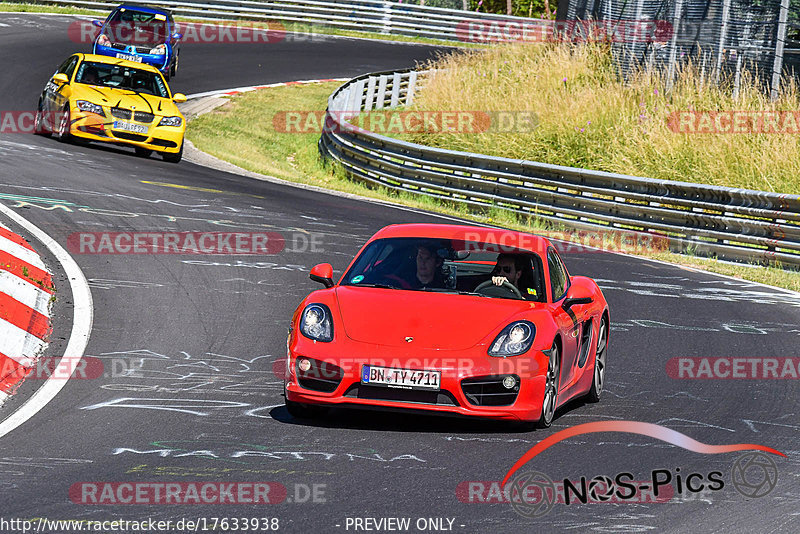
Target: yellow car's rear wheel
{"x":63,"y":128}
{"x":39,"y":126}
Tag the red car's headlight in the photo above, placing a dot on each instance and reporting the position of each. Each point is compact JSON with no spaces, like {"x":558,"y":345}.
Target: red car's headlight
{"x":514,"y":339}
{"x":316,"y":323}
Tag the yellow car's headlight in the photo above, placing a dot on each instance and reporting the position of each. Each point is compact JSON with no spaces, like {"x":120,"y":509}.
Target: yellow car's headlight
{"x":91,"y":107}
{"x":171,"y":121}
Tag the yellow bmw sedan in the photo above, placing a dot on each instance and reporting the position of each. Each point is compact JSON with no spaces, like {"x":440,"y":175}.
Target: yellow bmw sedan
{"x":100,"y":98}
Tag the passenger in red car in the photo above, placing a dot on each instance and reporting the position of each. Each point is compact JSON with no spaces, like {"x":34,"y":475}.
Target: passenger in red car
{"x":429,"y":269}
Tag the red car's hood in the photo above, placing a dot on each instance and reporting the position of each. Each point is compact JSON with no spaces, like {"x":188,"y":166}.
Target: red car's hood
{"x":434,"y":320}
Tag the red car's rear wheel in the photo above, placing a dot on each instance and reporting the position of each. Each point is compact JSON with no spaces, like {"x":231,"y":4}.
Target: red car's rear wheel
{"x":598,"y":381}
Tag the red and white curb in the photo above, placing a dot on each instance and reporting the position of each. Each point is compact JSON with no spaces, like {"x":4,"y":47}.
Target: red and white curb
{"x":82,"y":319}
{"x":230,"y":92}
{"x":26,"y":287}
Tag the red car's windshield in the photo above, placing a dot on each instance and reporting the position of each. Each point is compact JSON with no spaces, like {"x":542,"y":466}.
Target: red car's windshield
{"x":445,"y":265}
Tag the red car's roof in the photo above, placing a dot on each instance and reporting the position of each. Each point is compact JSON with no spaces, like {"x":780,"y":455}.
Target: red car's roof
{"x":506,"y":238}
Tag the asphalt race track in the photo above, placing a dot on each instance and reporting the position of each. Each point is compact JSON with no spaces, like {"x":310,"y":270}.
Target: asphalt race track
{"x":195,"y":341}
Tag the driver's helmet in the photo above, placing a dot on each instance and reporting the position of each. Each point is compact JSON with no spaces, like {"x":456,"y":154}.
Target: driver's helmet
{"x":138,"y":81}
{"x":91,"y":75}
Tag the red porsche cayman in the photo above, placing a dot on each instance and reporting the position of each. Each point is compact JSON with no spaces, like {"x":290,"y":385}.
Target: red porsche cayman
{"x":454,"y":319}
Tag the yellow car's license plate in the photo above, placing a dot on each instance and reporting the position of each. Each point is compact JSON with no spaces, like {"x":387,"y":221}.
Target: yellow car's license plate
{"x":127,"y":126}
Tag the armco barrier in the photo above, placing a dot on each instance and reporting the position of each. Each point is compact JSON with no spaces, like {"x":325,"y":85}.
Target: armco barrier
{"x":391,"y":18}
{"x":735,"y":224}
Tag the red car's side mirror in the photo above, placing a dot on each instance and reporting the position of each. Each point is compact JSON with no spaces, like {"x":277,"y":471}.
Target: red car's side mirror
{"x":577,"y":294}
{"x":322,"y":273}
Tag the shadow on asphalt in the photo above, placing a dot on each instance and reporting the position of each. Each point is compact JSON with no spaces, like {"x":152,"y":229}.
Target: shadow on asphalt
{"x":421,"y":422}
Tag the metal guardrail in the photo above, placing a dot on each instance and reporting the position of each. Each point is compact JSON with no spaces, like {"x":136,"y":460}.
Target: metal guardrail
{"x":391,"y":18}
{"x":734,"y":224}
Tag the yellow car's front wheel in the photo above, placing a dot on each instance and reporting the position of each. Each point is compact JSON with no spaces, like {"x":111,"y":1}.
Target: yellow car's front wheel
{"x":173,"y":158}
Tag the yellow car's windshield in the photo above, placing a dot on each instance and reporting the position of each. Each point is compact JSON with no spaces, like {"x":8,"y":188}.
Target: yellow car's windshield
{"x":122,"y":77}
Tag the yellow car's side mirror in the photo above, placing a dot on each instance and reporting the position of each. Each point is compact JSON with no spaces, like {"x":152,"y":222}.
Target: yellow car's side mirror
{"x":60,"y":78}
{"x":179,"y":98}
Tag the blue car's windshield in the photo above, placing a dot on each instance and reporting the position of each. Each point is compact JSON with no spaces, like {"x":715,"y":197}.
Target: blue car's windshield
{"x":121,"y":77}
{"x":131,"y":27}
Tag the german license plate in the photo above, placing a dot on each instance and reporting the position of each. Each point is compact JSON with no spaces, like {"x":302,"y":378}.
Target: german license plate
{"x":127,"y":126}
{"x":129,"y":57}
{"x":400,"y":378}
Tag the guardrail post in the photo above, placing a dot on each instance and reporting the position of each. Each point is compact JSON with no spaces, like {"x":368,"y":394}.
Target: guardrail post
{"x":396,"y":81}
{"x":412,"y":87}
{"x":368,"y":104}
{"x":355,"y":98}
{"x":380,"y":104}
{"x":387,"y":17}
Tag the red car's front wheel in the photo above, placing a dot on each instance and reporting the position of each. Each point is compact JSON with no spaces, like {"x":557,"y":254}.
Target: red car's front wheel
{"x":550,"y":397}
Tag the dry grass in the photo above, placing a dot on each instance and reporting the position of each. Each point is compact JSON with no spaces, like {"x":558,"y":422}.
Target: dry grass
{"x":587,"y":118}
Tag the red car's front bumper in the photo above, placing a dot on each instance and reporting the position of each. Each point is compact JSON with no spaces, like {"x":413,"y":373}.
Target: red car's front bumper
{"x":455,"y":396}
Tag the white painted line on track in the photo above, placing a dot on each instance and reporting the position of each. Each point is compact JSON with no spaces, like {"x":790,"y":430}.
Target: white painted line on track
{"x":83,"y":316}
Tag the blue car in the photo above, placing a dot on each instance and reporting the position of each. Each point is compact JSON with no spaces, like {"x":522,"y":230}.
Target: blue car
{"x":141,"y":34}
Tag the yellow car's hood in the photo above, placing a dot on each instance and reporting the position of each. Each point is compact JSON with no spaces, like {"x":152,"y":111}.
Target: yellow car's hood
{"x":125,"y":98}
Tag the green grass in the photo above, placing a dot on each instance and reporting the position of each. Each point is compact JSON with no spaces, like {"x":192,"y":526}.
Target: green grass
{"x":47,"y":8}
{"x":242,"y":132}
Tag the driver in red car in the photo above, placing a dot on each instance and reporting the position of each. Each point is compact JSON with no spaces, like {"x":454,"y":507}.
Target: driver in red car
{"x":513,"y":268}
